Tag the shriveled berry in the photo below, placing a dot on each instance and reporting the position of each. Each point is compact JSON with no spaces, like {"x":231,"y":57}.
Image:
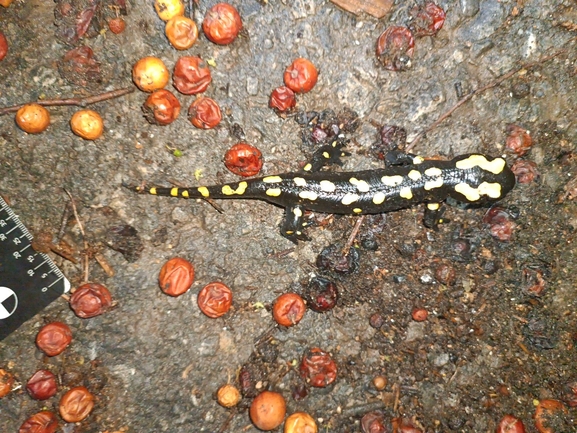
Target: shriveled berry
{"x":161,"y":107}
{"x":380,"y":382}
{"x":376,"y":320}
{"x":533,"y":281}
{"x":90,"y":300}
{"x":288,"y":309}
{"x":42,"y":385}
{"x":228,"y":395}
{"x":33,"y":118}
{"x":373,"y":422}
{"x":332,"y":258}
{"x":6,"y":382}
{"x":301,"y":76}
{"x":181,"y":32}
{"x":445,"y":274}
{"x":243,"y":159}
{"x":191,"y":75}
{"x":222,"y":24}
{"x":518,"y":140}
{"x":215,"y":299}
{"x":76,"y":404}
{"x":41,"y":422}
{"x":404,"y":425}
{"x":510,"y":424}
{"x":300,"y":422}
{"x":547,"y":413}
{"x":176,"y":276}
{"x":321,"y":294}
{"x":150,"y":74}
{"x":204,"y":113}
{"x":299,"y":391}
{"x":53,"y":338}
{"x":391,"y":138}
{"x":419,"y":314}
{"x":268,"y":410}
{"x":3,"y":46}
{"x":395,"y":48}
{"x":282,"y":99}
{"x":427,"y":19}
{"x":317,"y":368}
{"x":525,"y":171}
{"x":500,"y":223}
{"x":116,"y":25}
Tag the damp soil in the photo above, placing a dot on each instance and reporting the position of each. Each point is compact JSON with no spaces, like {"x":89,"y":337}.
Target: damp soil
{"x":501,"y":328}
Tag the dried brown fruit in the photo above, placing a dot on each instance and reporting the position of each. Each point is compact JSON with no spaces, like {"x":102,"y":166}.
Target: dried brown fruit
{"x":6,"y":382}
{"x":53,"y":338}
{"x":300,"y":422}
{"x":243,"y":159}
{"x":191,"y":75}
{"x":42,"y":385}
{"x":510,"y":424}
{"x":116,"y":25}
{"x":268,"y":410}
{"x":176,"y":276}
{"x":301,"y":76}
{"x":167,"y":9}
{"x":395,"y":48}
{"x":33,"y":118}
{"x":204,"y":113}
{"x":87,"y":124}
{"x":150,"y":74}
{"x":90,"y":300}
{"x":161,"y":107}
{"x":228,"y":395}
{"x":282,"y":99}
{"x":3,"y":46}
{"x":76,"y":404}
{"x":215,"y":299}
{"x":181,"y":32}
{"x":317,"y":368}
{"x":41,"y":422}
{"x":222,"y":24}
{"x":288,"y":309}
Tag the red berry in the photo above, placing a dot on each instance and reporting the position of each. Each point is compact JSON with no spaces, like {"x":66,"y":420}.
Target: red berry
{"x":215,"y":299}
{"x":204,"y":113}
{"x":395,"y":48}
{"x":53,"y":338}
{"x":282,"y":99}
{"x":288,"y":309}
{"x":510,"y":424}
{"x":90,"y":300}
{"x":161,"y":107}
{"x":191,"y":75}
{"x":428,"y":19}
{"x":42,"y":385}
{"x":243,"y":159}
{"x":301,"y":76}
{"x":318,"y":368}
{"x":116,"y":25}
{"x":222,"y":24}
{"x":176,"y":276}
{"x":41,"y":422}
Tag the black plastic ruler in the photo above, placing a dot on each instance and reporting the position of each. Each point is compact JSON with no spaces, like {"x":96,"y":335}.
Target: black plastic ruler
{"x":29,"y":280}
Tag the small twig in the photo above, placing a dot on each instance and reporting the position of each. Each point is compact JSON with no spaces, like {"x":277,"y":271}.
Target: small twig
{"x":64,"y":221}
{"x":81,"y":102}
{"x":488,"y":86}
{"x":353,"y":235}
{"x":361,"y":409}
{"x":85,"y":279}
{"x":224,"y":427}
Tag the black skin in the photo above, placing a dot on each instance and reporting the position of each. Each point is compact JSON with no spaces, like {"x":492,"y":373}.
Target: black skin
{"x":403,"y":182}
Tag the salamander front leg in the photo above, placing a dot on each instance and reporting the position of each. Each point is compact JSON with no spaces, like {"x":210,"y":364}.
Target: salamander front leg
{"x":433,"y":215}
{"x":397,"y":157}
{"x":292,"y":226}
{"x":326,"y":155}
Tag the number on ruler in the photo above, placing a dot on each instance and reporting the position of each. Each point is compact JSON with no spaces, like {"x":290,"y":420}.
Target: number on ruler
{"x":16,"y":254}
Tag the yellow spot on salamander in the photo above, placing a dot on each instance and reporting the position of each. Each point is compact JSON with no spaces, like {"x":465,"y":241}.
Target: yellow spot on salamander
{"x":289,"y":232}
{"x":392,"y":180}
{"x":406,"y":193}
{"x":433,"y":206}
{"x":273,"y":192}
{"x":349,"y":198}
{"x":414,"y":175}
{"x":299,"y":181}
{"x":433,"y":172}
{"x":470,"y":193}
{"x":298,"y":212}
{"x":495,"y":166}
{"x":361,"y":185}
{"x":379,"y":198}
{"x":492,"y":190}
{"x":227,"y":190}
{"x":152,"y":191}
{"x":326,"y":155}
{"x":311,"y":195}
{"x":203,"y":190}
{"x":418,"y":160}
{"x":307,"y":167}
{"x":327,"y":186}
{"x":174,"y":192}
{"x":184,"y":193}
{"x":435,"y":183}
{"x":272,"y":179}
{"x":357,"y":210}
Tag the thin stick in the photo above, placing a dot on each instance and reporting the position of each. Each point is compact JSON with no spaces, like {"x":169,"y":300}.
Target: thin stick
{"x":353,"y":235}
{"x":81,"y":102}
{"x":83,"y":235}
{"x":488,"y":86}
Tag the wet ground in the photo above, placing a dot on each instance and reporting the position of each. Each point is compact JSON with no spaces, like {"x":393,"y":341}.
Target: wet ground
{"x":500,"y":335}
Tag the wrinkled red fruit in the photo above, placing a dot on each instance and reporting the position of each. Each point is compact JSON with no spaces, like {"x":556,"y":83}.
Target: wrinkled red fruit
{"x":161,"y":107}
{"x":419,"y":314}
{"x":282,"y":99}
{"x":116,"y":25}
{"x":301,"y":76}
{"x":176,"y":276}
{"x":90,"y":299}
{"x":204,"y":113}
{"x":373,"y":422}
{"x":500,"y":223}
{"x":533,"y":281}
{"x":404,"y":425}
{"x":547,"y":413}
{"x":3,"y":46}
{"x":391,"y":138}
{"x":53,"y":338}
{"x":243,"y":159}
{"x":321,"y":294}
{"x":41,"y":422}
{"x":191,"y":75}
{"x":395,"y":48}
{"x":318,"y":368}
{"x":76,"y":404}
{"x":215,"y":299}
{"x":427,"y":19}
{"x":288,"y":309}
{"x":6,"y":382}
{"x":510,"y":424}
{"x":42,"y":385}
{"x":525,"y":171}
{"x":222,"y":24}
{"x":518,"y":140}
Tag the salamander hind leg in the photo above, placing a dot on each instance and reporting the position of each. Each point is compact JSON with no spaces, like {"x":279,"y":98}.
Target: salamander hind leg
{"x":326,"y":155}
{"x":293,"y":225}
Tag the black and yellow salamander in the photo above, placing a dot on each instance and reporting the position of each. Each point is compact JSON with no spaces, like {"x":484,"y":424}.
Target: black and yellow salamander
{"x":473,"y":178}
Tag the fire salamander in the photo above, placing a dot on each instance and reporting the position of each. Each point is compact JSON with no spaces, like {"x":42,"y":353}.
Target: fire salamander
{"x":408,"y":180}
